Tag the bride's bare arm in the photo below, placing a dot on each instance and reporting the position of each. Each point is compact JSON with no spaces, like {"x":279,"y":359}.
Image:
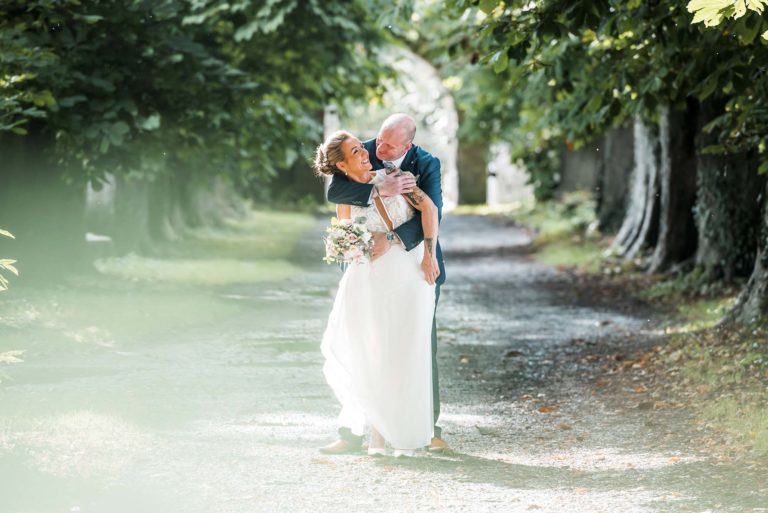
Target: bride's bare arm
{"x":429,"y":223}
{"x":344,"y":211}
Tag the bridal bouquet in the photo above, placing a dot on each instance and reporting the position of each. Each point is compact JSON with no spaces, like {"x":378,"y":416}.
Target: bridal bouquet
{"x":348,"y":241}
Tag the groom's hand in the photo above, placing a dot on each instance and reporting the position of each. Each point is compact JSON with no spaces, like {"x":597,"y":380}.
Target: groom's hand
{"x":380,"y":245}
{"x":430,"y":268}
{"x":395,"y":185}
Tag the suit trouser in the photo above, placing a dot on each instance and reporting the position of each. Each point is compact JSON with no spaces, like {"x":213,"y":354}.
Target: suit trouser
{"x":346,"y":433}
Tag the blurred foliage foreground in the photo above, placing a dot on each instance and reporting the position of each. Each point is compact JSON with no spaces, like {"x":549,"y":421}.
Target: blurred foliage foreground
{"x":719,"y":371}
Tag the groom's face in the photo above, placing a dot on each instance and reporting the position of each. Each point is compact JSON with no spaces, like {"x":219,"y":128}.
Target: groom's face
{"x":391,"y":144}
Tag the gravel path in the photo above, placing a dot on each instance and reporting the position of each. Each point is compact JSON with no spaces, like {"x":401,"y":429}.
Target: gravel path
{"x":227,"y":417}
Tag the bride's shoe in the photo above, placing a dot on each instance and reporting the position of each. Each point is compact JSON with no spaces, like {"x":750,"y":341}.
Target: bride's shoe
{"x":408,"y":453}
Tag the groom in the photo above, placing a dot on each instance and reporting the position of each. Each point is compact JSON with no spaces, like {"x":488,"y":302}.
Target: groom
{"x":394,"y":148}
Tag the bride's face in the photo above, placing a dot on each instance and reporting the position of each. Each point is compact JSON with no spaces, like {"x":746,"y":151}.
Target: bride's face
{"x":356,"y":163}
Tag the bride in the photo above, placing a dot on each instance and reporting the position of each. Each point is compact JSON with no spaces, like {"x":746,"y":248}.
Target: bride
{"x":377,"y":344}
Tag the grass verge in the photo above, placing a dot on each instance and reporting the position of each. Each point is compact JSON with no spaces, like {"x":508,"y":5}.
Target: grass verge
{"x":134,"y":298}
{"x":251,"y":250}
{"x":558,"y":229}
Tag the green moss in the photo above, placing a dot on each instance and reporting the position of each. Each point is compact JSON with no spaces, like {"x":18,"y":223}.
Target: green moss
{"x":703,"y":313}
{"x":693,"y":284}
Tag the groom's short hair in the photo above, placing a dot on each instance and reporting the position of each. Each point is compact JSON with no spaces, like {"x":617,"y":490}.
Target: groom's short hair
{"x":403,"y":122}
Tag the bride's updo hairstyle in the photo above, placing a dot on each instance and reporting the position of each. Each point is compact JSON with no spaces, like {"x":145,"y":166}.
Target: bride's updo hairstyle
{"x":329,"y":153}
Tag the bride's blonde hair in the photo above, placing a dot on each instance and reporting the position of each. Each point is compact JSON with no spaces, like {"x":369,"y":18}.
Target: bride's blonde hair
{"x":330,"y":152}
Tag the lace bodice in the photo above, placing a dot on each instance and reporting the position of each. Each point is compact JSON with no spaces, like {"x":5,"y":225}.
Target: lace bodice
{"x":398,"y":208}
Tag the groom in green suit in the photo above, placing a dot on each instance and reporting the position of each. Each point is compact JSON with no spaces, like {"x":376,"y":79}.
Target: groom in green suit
{"x":393,"y":148}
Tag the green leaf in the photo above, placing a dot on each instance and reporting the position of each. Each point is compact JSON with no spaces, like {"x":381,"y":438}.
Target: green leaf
{"x":245,"y":33}
{"x":763,"y":167}
{"x":106,"y":85}
{"x":149,"y":123}
{"x":499,"y":61}
{"x":757,"y":5}
{"x":747,"y":29}
{"x":708,"y":11}
{"x":6,"y":233}
{"x":43,"y":98}
{"x":121,"y":128}
{"x":708,"y":87}
{"x":89,"y":18}
{"x":713,"y":149}
{"x":487,"y":6}
{"x":69,"y":101}
{"x":593,"y":104}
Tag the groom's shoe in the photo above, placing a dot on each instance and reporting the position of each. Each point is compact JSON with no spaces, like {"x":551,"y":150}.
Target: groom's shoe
{"x":341,"y":447}
{"x":438,"y":445}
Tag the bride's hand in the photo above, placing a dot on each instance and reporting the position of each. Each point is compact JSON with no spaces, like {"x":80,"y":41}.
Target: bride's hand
{"x":380,"y":245}
{"x":430,"y":268}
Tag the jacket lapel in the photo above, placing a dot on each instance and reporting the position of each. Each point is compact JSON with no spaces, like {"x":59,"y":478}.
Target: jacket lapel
{"x":409,"y":162}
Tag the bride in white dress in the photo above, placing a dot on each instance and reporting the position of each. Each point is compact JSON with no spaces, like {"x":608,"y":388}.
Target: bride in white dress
{"x":377,"y":344}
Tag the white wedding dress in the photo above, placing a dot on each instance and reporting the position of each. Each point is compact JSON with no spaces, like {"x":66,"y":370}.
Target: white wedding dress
{"x":377,"y":344}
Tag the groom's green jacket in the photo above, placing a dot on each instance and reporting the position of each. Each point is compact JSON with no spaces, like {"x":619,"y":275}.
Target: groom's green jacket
{"x":426,"y":168}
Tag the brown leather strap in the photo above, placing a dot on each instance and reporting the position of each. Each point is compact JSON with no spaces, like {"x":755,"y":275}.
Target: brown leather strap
{"x":383,"y":213}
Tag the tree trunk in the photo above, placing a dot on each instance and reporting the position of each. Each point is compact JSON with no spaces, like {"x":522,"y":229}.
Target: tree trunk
{"x":727,"y":210}
{"x":294,"y":184}
{"x":130,"y":231}
{"x":580,"y":169}
{"x":44,"y":213}
{"x":618,"y":160}
{"x":472,"y":163}
{"x":640,"y":226}
{"x":166,"y":214}
{"x":677,"y":178}
{"x":752,"y":305}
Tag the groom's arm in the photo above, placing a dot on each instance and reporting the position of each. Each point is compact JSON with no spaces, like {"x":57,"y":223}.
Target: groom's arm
{"x":345,"y":191}
{"x":411,"y":233}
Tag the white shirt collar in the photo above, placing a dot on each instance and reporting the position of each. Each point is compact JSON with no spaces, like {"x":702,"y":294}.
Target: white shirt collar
{"x":398,"y":162}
